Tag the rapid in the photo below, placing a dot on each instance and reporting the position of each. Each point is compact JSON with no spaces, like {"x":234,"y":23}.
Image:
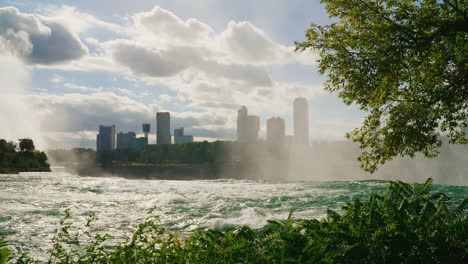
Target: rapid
{"x":31,"y":204}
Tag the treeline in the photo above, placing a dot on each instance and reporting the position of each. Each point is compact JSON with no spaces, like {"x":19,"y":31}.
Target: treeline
{"x":406,"y":224}
{"x":21,"y":157}
{"x":192,"y":153}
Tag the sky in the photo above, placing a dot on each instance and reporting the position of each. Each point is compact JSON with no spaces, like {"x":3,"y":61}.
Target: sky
{"x":68,"y":66}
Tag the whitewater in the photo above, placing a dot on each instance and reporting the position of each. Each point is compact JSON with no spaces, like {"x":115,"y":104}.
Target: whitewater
{"x":31,"y":204}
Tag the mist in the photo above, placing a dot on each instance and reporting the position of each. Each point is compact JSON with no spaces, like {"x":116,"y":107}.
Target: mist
{"x":18,"y":119}
{"x":337,"y":161}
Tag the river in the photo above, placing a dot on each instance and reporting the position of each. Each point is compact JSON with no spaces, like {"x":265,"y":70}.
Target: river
{"x":31,"y":204}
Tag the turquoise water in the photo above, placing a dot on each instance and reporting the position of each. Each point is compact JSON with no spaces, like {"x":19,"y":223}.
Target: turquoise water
{"x":31,"y":203}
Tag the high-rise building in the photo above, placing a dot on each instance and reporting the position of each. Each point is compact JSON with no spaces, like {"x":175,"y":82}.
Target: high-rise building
{"x":253,"y":126}
{"x":247,"y":125}
{"x":275,"y":131}
{"x":242,"y":124}
{"x":130,"y":141}
{"x":180,"y":138}
{"x":163,"y":128}
{"x":105,"y":140}
{"x":146,"y":129}
{"x":301,"y":121}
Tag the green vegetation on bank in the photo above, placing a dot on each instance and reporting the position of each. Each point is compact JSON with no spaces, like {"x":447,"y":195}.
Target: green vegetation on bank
{"x":406,"y":224}
{"x":22,"y":157}
{"x":192,"y":153}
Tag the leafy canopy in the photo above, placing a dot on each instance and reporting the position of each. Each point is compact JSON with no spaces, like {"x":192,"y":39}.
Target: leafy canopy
{"x":405,"y":62}
{"x":26,"y":145}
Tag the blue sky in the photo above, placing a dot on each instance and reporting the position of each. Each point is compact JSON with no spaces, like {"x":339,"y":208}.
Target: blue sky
{"x":90,"y":62}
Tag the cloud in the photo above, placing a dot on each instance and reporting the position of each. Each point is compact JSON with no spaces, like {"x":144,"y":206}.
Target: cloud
{"x":169,"y":62}
{"x":83,"y":88}
{"x":248,"y":43}
{"x":37,"y":40}
{"x":165,"y":25}
{"x":152,"y":62}
{"x":251,"y":75}
{"x":79,"y":22}
{"x":56,"y":78}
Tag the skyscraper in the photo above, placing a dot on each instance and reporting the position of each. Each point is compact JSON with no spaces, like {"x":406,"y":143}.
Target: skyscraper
{"x":130,"y":141}
{"x":163,"y":128}
{"x":180,"y":138}
{"x":105,"y":140}
{"x":275,"y":130}
{"x":253,"y":126}
{"x":301,"y":121}
{"x":247,"y":125}
{"x":242,"y":124}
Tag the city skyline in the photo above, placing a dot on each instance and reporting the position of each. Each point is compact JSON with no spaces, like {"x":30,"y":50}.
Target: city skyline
{"x":116,"y":66}
{"x":248,"y":127}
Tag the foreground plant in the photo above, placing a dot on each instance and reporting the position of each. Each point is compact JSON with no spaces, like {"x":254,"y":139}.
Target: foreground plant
{"x":406,"y":224}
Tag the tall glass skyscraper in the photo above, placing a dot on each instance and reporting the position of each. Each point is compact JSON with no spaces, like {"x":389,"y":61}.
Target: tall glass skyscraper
{"x":105,"y":140}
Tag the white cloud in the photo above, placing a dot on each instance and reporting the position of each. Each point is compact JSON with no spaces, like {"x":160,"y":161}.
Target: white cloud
{"x":248,"y":43}
{"x":83,"y":88}
{"x":56,"y":78}
{"x":36,"y":39}
{"x":151,"y":62}
{"x":165,"y":25}
{"x":79,"y":22}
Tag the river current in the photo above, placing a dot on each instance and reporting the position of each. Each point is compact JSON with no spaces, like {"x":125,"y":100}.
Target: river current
{"x":31,"y":204}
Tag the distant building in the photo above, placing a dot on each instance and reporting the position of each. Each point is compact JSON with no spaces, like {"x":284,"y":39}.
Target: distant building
{"x":253,"y":126}
{"x":130,"y":141}
{"x":301,"y":121}
{"x":163,"y":128}
{"x":242,"y":124}
{"x":146,"y":129}
{"x":275,"y":131}
{"x":247,"y":125}
{"x":180,"y":138}
{"x":105,"y":140}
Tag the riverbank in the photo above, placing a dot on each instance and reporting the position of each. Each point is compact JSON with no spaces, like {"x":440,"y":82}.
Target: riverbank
{"x":150,"y":171}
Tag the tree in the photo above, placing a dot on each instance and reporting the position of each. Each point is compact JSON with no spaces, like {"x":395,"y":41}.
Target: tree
{"x":404,"y":62}
{"x":26,"y":145}
{"x":7,"y":146}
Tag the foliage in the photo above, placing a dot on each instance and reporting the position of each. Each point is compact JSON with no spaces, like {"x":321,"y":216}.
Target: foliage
{"x":7,"y":146}
{"x":27,"y":159}
{"x":4,"y":251}
{"x":405,"y":62}
{"x":407,"y":224}
{"x":191,"y":153}
{"x":26,"y":145}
